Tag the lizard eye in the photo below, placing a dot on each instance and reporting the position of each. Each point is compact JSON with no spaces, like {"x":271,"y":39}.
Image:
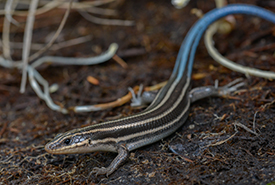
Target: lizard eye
{"x":67,"y":141}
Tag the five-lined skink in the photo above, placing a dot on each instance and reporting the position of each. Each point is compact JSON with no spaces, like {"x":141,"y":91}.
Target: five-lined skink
{"x":165,"y":114}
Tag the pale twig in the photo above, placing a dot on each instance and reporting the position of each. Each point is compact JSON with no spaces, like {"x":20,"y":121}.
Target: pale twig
{"x":102,"y":21}
{"x":120,"y":101}
{"x":33,"y":76}
{"x":221,"y":142}
{"x":10,"y":64}
{"x":57,"y":46}
{"x":36,"y":79}
{"x":65,"y":60}
{"x":6,"y":29}
{"x":208,"y":39}
{"x":86,"y":4}
{"x":35,"y":55}
{"x":225,"y":27}
{"x":37,"y":82}
{"x":9,"y":8}
{"x":78,"y":61}
{"x":47,"y":7}
{"x":70,"y":42}
{"x":245,"y":128}
{"x":101,"y":11}
{"x":60,"y":4}
{"x":103,"y":106}
{"x":27,"y":43}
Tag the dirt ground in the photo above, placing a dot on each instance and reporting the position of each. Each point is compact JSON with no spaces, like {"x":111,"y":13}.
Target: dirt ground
{"x":208,"y":149}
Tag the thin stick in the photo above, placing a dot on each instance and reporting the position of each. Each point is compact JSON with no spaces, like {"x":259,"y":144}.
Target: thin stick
{"x":6,"y":30}
{"x":221,"y":142}
{"x":208,"y":40}
{"x":27,"y":43}
{"x":78,"y":61}
{"x":57,"y":46}
{"x":102,"y":21}
{"x":245,"y":127}
{"x":64,"y":4}
{"x":37,"y":54}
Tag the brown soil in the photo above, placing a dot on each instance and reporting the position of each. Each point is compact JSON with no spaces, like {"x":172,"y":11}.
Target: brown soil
{"x":206,"y":150}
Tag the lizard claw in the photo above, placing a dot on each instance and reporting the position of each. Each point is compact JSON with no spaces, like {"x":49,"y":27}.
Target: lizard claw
{"x":230,"y":87}
{"x":136,"y":99}
{"x":142,"y":98}
{"x":100,"y":171}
